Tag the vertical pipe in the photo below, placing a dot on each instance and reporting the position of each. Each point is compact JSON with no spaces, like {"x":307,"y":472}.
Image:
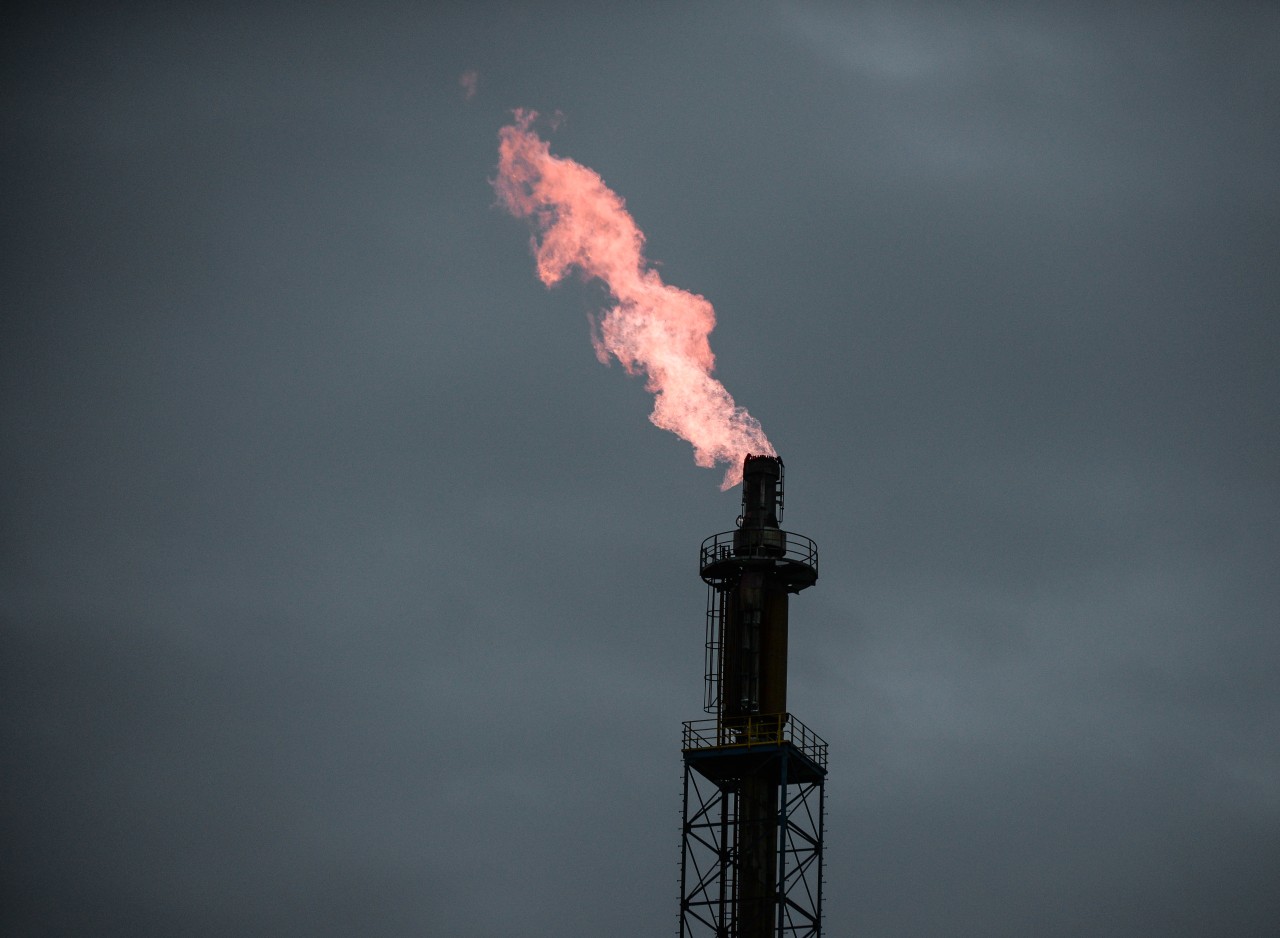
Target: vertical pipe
{"x":724,"y":913}
{"x":757,"y":849}
{"x":822,"y":818}
{"x":684,"y":850}
{"x":780,"y":840}
{"x":753,"y":685}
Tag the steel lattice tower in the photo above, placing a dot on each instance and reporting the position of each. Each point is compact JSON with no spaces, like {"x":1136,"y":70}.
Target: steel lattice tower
{"x":751,"y":860}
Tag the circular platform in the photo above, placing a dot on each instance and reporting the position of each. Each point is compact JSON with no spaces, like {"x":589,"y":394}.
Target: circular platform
{"x":790,"y":558}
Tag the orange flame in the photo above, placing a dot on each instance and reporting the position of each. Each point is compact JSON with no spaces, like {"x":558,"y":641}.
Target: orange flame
{"x":654,"y":329}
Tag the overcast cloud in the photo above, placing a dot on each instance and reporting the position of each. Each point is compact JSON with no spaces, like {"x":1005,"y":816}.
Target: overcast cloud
{"x":345,"y":592}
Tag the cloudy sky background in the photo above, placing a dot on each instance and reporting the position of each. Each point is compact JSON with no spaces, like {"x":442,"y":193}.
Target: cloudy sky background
{"x":345,"y":592}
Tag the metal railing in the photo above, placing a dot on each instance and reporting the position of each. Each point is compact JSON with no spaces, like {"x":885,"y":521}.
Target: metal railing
{"x":793,"y":547}
{"x":770,"y":729}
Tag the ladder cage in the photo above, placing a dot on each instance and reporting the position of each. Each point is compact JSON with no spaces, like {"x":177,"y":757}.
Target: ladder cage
{"x":714,"y":644}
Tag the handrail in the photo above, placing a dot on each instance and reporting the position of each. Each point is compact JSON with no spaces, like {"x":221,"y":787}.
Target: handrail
{"x":771,"y":729}
{"x":794,"y":547}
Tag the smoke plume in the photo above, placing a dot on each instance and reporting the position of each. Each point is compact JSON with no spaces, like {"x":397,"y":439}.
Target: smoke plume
{"x":653,"y":329}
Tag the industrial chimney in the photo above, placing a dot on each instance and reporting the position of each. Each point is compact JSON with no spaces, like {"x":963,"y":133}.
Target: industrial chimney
{"x":751,"y":861}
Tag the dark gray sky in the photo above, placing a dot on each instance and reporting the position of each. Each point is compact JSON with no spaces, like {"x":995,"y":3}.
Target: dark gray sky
{"x":345,"y":593}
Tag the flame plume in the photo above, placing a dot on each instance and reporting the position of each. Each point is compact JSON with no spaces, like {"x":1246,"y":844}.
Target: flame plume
{"x":653,"y":329}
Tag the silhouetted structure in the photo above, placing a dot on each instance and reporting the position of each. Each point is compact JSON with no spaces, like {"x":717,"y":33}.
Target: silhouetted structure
{"x":751,"y":861}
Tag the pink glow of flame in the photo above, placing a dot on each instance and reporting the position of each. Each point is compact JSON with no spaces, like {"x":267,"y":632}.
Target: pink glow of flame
{"x":654,"y":329}
{"x":469,"y":80}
